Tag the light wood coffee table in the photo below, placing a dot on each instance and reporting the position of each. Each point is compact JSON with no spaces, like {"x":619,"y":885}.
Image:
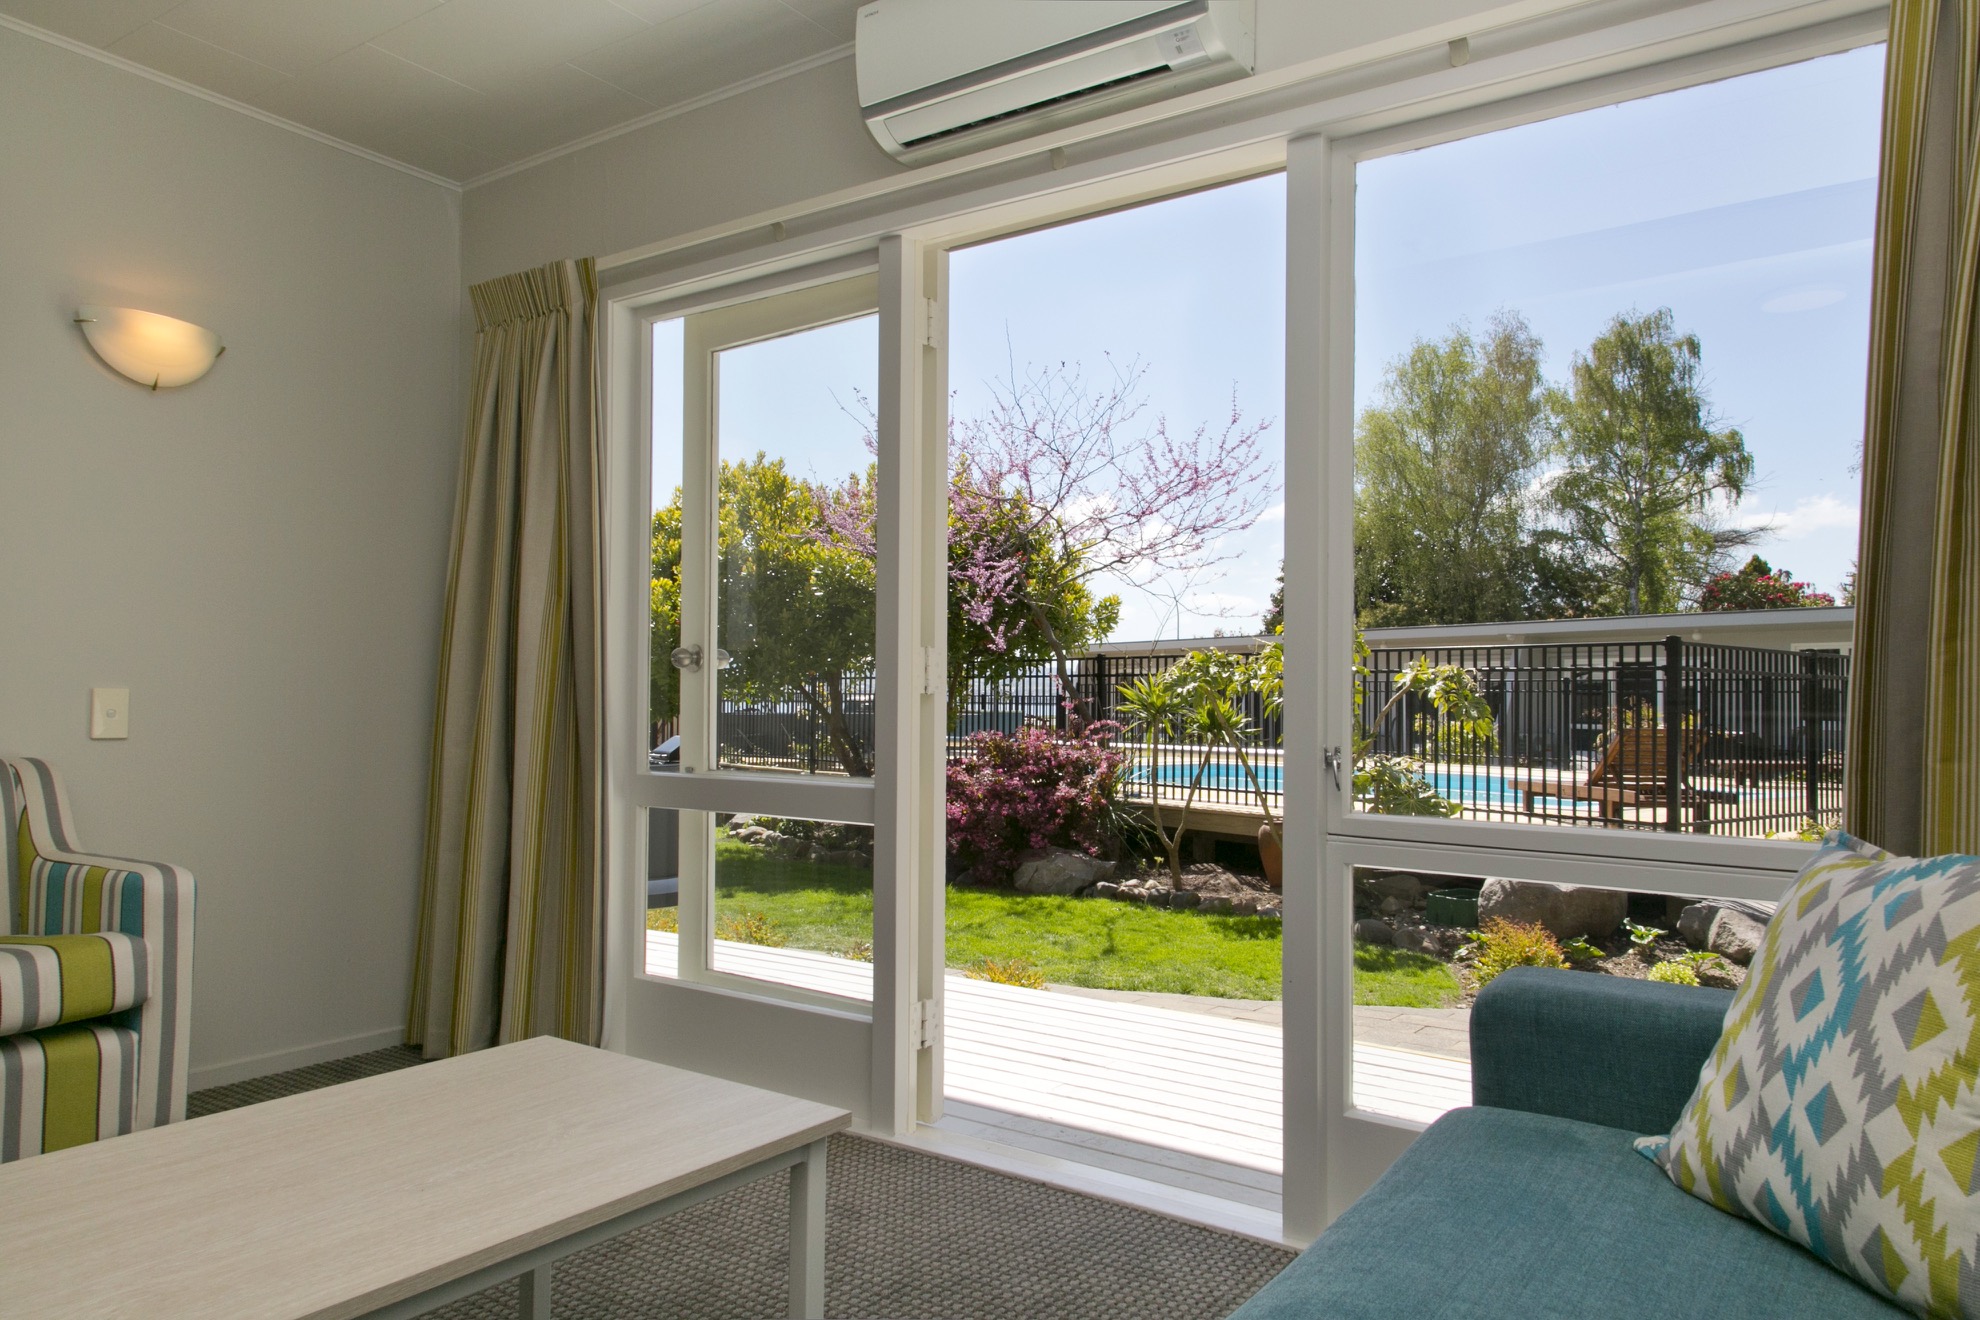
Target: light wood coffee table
{"x":394,"y":1194}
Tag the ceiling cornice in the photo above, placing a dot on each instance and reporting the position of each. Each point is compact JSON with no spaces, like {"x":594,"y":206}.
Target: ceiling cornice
{"x":192,"y":89}
{"x":778,"y":74}
{"x":102,"y":56}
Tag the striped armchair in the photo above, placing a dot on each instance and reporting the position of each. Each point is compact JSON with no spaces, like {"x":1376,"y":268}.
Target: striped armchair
{"x":95,"y":980}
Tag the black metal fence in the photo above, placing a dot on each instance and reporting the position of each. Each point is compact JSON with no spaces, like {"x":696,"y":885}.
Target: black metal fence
{"x":1664,"y":735}
{"x":792,"y":731}
{"x":1582,"y":733}
{"x":1094,"y":683}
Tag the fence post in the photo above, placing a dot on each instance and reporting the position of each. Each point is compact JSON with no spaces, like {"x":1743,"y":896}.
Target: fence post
{"x":1673,"y":732}
{"x":811,"y":732}
{"x":1812,"y":705}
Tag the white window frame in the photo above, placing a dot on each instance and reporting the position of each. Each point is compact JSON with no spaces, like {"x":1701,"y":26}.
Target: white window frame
{"x":1536,"y":67}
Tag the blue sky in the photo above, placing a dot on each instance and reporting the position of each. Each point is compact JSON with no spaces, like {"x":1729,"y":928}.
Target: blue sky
{"x":1745,"y":206}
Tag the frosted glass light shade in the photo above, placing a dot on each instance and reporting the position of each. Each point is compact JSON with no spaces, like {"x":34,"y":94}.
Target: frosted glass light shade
{"x":153,"y":350}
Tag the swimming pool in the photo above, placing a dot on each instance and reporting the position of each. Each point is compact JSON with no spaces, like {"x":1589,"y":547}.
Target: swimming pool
{"x":1474,"y":787}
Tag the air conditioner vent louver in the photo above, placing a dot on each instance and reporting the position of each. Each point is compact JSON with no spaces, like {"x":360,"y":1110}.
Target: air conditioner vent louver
{"x":1038,"y":108}
{"x":941,"y":77}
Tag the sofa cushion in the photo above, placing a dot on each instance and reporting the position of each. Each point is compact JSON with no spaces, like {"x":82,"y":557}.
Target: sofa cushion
{"x":1841,"y":1107}
{"x":66,"y":1087}
{"x":52,"y":980}
{"x":1497,"y":1213}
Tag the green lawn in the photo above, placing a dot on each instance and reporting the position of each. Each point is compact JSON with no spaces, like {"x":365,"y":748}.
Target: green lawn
{"x":1073,"y":941}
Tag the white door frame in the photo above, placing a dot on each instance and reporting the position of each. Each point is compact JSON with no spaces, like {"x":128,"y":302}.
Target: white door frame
{"x":857,"y":1055}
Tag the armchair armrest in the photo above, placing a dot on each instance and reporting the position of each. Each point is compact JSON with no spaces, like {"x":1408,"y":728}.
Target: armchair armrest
{"x":1602,"y":1049}
{"x":53,"y":888}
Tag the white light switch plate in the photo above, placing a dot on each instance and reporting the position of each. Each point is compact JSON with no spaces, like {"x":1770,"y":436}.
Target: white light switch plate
{"x":109,"y":712}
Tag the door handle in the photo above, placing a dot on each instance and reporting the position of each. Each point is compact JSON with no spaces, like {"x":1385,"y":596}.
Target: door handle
{"x":1333,"y":760}
{"x":688,"y":658}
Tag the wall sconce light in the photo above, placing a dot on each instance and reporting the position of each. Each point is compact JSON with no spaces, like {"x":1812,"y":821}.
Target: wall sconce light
{"x":152,"y":350}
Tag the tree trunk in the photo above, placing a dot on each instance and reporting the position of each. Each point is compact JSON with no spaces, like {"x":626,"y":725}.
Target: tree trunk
{"x":834,"y":711}
{"x":1075,"y":707}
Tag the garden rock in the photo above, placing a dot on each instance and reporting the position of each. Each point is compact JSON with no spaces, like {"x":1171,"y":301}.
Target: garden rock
{"x":1695,"y":922}
{"x":1369,"y":931}
{"x":1214,"y":903}
{"x":1107,"y":889}
{"x":1735,"y":936}
{"x":1404,"y":888}
{"x":1184,"y":898}
{"x":1059,"y":871}
{"x":1245,"y":907}
{"x":1565,"y":910}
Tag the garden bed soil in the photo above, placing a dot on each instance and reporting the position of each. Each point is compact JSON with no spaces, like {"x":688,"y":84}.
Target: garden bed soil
{"x":1395,"y":900}
{"x":1206,"y":885}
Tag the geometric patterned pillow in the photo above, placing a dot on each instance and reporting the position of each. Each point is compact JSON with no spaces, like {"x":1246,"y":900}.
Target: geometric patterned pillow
{"x":1840,"y":1108}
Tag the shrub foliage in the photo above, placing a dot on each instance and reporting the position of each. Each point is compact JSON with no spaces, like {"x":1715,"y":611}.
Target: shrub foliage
{"x":1673,"y":973}
{"x":1038,"y":788}
{"x":1503,"y":944}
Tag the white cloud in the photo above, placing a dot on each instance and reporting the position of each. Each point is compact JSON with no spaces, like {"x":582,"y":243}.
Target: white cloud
{"x":1216,"y":603}
{"x":1277,"y":513}
{"x":1822,"y":513}
{"x":1805,"y":298}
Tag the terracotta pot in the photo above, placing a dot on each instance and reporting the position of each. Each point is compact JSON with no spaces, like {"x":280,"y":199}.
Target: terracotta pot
{"x":1270,"y":852}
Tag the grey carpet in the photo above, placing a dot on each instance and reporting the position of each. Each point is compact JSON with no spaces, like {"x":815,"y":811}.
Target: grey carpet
{"x":908,"y":1235}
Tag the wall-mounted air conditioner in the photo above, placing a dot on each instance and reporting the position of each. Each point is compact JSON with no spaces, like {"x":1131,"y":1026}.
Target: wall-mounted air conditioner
{"x":941,"y":77}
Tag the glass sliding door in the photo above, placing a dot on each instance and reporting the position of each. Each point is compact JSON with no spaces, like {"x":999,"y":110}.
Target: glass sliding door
{"x":1588,"y":395}
{"x":1116,"y":512}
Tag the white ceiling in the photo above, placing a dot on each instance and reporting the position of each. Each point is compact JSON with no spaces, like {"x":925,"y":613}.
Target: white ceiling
{"x":455,"y":87}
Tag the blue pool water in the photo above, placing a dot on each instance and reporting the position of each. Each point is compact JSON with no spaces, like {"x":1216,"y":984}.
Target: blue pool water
{"x":1477,"y":787}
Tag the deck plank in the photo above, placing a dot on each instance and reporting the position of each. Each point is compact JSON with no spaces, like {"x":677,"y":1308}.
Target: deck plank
{"x":1204,"y":1086}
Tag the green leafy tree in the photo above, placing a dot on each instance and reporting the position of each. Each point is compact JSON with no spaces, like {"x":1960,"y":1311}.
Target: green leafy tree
{"x":1446,"y":525}
{"x":1757,"y":586}
{"x":1456,"y":723}
{"x":797,"y":605}
{"x":1646,"y":466}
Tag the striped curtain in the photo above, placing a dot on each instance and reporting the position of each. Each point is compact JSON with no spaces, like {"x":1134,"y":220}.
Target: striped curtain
{"x":509,"y":941}
{"x":1914,"y":720}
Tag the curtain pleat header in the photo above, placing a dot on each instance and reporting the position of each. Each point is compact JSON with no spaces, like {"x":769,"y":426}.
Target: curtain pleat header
{"x":558,"y":288}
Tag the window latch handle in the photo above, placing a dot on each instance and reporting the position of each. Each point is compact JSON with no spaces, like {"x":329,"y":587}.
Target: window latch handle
{"x":1333,"y":759}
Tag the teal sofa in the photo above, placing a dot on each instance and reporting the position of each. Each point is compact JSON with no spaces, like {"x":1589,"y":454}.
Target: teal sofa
{"x":1532,"y":1204}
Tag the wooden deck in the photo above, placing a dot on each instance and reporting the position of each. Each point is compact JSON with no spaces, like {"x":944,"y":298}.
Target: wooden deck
{"x":1206,"y":1086}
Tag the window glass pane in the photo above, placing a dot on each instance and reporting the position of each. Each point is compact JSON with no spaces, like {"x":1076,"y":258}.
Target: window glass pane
{"x":664,"y":681}
{"x":1609,"y":396}
{"x":796,"y":594}
{"x":794,"y":903}
{"x":663,"y":886}
{"x":1425,"y":945}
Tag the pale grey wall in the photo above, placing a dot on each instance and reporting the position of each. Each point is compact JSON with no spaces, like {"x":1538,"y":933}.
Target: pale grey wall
{"x":260,"y":557}
{"x":802,"y":137}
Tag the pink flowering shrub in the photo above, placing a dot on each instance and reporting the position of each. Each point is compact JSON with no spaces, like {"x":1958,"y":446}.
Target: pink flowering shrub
{"x":1759,"y":586}
{"x":1038,"y":788}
